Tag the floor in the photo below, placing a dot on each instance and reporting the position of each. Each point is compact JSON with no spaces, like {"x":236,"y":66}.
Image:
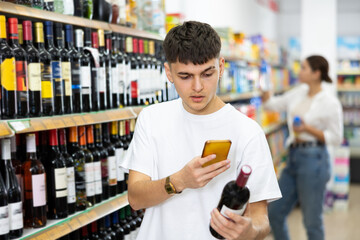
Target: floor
{"x":339,"y":225}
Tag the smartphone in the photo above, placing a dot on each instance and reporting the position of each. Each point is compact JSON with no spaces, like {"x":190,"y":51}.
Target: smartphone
{"x":219,"y":147}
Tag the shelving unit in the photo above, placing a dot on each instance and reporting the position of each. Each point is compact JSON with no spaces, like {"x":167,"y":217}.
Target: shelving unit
{"x":232,"y":97}
{"x":273,"y":127}
{"x":58,"y":228}
{"x":349,"y":89}
{"x":349,"y":73}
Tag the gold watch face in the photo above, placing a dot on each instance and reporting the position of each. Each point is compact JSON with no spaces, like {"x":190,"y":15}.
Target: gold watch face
{"x":169,"y":189}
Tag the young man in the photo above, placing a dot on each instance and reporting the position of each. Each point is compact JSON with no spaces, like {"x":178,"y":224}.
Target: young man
{"x":166,"y":175}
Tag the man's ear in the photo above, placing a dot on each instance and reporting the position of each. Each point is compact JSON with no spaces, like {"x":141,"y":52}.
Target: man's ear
{"x":168,"y":72}
{"x":221,"y":66}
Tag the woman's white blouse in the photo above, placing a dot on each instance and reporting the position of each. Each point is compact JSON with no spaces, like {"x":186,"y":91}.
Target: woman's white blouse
{"x":325,"y":112}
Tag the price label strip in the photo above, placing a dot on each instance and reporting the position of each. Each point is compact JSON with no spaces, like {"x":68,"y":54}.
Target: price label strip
{"x":88,"y":119}
{"x":79,"y":121}
{"x":69,"y":122}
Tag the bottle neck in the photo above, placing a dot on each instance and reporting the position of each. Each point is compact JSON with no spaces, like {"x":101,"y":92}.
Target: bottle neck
{"x":243,"y":176}
{"x":82,"y":136}
{"x":69,"y":45}
{"x":5,"y":149}
{"x":49,"y":42}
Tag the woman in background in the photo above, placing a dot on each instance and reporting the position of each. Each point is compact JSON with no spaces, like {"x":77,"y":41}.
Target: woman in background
{"x":314,"y":120}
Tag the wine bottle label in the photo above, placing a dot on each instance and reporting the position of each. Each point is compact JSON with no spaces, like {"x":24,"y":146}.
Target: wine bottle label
{"x":112,"y":170}
{"x":119,"y":153}
{"x":16,"y":216}
{"x":122,"y":76}
{"x":66,"y":75}
{"x":97,"y":176}
{"x":75,"y":76}
{"x":115,"y":80}
{"x":71,"y":198}
{"x":38,"y":190}
{"x":34,"y":71}
{"x":4,"y":220}
{"x":22,"y":79}
{"x":90,"y":179}
{"x":57,"y":78}
{"x":46,"y":82}
{"x":102,"y":79}
{"x":61,"y":184}
{"x":128,"y":78}
{"x":8,"y":74}
{"x":238,"y":211}
{"x":85,"y":79}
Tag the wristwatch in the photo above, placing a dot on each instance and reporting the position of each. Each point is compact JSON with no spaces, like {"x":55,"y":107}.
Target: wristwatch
{"x":169,"y":187}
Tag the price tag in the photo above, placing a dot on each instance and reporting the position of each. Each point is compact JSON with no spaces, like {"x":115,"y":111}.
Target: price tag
{"x":74,"y":224}
{"x":78,"y":120}
{"x":49,"y":123}
{"x":18,"y":126}
{"x":68,"y":122}
{"x":88,"y":119}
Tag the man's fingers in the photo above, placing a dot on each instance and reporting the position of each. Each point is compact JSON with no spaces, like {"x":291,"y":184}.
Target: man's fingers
{"x":206,"y":159}
{"x":217,"y":172}
{"x":218,"y":226}
{"x":223,"y":226}
{"x":216,"y":166}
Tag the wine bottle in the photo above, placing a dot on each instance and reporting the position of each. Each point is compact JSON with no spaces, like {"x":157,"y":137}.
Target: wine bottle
{"x":85,"y":71}
{"x":16,"y":163}
{"x":94,"y":231}
{"x":96,"y":162}
{"x":89,"y":166}
{"x":75,"y":57}
{"x":148,"y":74}
{"x":157,"y":71}
{"x":95,"y":67}
{"x":234,"y":197}
{"x":137,"y":220}
{"x":34,"y":178}
{"x":115,"y":89}
{"x":65,"y":67}
{"x":22,"y":94}
{"x":42,"y":146}
{"x":39,"y":4}
{"x":79,"y":163}
{"x":132,"y":49}
{"x":34,"y":71}
{"x":75,"y":234}
{"x":47,"y":88}
{"x":4,"y":212}
{"x":88,"y":9}
{"x":55,"y":68}
{"x":70,"y":173}
{"x":162,"y":60}
{"x":49,"y":5}
{"x":119,"y":154}
{"x":13,"y":190}
{"x":121,"y":71}
{"x":104,"y":161}
{"x":69,"y":7}
{"x":59,"y":6}
{"x":111,"y":233}
{"x":125,"y":225}
{"x":111,"y":161}
{"x":55,"y":167}
{"x":127,"y":70}
{"x":143,"y":76}
{"x":27,"y":3}
{"x":7,"y":75}
{"x":102,"y":70}
{"x":128,"y":46}
{"x":119,"y":231}
{"x":78,"y":8}
{"x":125,"y":145}
{"x":84,"y":233}
{"x":103,"y":234}
{"x":109,"y":66}
{"x":131,"y":222}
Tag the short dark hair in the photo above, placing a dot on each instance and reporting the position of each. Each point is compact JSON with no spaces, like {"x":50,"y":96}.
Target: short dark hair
{"x":318,"y":62}
{"x":192,"y":41}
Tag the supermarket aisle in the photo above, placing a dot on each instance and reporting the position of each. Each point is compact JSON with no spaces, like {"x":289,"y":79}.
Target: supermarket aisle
{"x":338,"y":225}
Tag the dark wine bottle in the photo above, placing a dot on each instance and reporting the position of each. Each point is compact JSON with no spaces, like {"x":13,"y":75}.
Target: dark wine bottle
{"x":75,"y":57}
{"x":157,"y":71}
{"x":7,"y":75}
{"x":108,"y":68}
{"x":102,"y":70}
{"x":84,"y":233}
{"x":27,"y":3}
{"x":88,"y":9}
{"x":85,"y":71}
{"x":95,"y":67}
{"x":34,"y":71}
{"x":104,"y":161}
{"x":144,"y":77}
{"x":94,"y":231}
{"x":22,"y":94}
{"x":103,"y":234}
{"x":125,"y":49}
{"x":234,"y":197}
{"x":132,"y":50}
{"x":39,"y":4}
{"x":119,"y":154}
{"x":137,"y":219}
{"x":89,"y":166}
{"x":111,"y":161}
{"x":125,"y":146}
{"x":96,"y":162}
{"x":115,"y":89}
{"x":131,"y":222}
{"x":16,"y":162}
{"x":122,"y":71}
{"x":125,"y":225}
{"x":70,"y":171}
{"x":119,"y":231}
{"x":78,"y":8}
{"x":108,"y":229}
{"x":56,"y":69}
{"x":4,"y":212}
{"x":47,"y":87}
{"x":162,"y":60}
{"x":79,"y":163}
{"x":13,"y":191}
{"x":49,"y":5}
{"x":34,"y":178}
{"x":55,"y":167}
{"x":65,"y":67}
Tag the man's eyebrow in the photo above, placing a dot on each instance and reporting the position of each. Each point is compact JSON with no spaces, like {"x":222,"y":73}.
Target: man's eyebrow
{"x":207,"y":69}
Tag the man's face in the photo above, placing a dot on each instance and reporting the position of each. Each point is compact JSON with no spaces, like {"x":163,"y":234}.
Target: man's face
{"x":196,"y":84}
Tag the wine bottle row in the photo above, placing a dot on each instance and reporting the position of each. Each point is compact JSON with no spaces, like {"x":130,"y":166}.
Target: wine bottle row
{"x":53,"y":174}
{"x":123,"y":224}
{"x":59,"y":71}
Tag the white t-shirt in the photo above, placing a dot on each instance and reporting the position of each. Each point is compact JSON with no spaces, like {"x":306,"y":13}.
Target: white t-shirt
{"x":167,"y":137}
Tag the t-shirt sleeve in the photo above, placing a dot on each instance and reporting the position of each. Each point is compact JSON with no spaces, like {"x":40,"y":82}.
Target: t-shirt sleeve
{"x":139,"y":156}
{"x":262,"y":183}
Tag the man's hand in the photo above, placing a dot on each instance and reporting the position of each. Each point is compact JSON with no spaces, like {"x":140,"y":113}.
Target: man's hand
{"x":235,"y":227}
{"x":193,"y":175}
{"x":302,"y":128}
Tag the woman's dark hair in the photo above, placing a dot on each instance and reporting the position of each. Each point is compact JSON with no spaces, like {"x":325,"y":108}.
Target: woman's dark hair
{"x":318,"y":62}
{"x":192,"y":41}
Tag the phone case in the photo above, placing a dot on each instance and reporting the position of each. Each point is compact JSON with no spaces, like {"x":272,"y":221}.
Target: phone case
{"x":219,"y":147}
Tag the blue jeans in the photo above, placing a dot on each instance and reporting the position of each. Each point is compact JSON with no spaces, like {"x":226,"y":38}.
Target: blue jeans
{"x":303,"y":179}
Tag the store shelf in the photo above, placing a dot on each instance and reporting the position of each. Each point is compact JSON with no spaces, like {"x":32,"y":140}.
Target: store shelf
{"x":65,"y":121}
{"x":349,"y":73}
{"x":273,"y":127}
{"x":18,"y":10}
{"x":349,"y":89}
{"x":5,"y":130}
{"x":58,"y":228}
{"x":232,"y":97}
{"x":238,"y":59}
